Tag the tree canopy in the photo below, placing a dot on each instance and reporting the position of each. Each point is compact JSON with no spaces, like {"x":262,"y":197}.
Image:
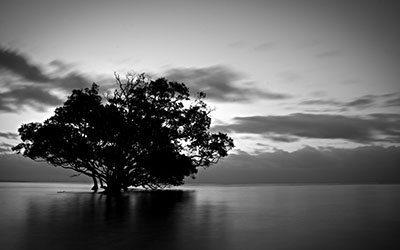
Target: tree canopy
{"x":146,"y":132}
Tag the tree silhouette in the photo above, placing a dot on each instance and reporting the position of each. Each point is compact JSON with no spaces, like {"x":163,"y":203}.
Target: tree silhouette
{"x":146,"y":133}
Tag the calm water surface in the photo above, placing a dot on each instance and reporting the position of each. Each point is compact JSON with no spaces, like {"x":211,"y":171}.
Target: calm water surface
{"x":67,"y":216}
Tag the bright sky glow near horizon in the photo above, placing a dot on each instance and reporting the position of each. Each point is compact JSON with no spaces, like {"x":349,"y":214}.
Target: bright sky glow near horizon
{"x":313,"y":76}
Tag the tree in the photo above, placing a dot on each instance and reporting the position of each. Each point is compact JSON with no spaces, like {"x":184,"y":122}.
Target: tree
{"x":146,"y":133}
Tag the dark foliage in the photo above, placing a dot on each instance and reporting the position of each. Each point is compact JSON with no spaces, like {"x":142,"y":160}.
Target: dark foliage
{"x":146,"y":133}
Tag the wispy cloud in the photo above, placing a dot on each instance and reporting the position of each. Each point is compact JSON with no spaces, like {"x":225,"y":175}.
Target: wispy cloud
{"x":27,"y":84}
{"x":9,"y":135}
{"x":221,"y":84}
{"x":5,"y":148}
{"x":359,"y":103}
{"x":20,"y":65}
{"x":281,"y":138}
{"x":393,"y":102}
{"x":321,"y":102}
{"x":15,"y":99}
{"x":373,"y":128}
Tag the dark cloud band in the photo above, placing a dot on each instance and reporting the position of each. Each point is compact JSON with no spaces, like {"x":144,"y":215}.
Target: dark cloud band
{"x":363,"y":102}
{"x":376,"y":127}
{"x":29,"y":85}
{"x":9,"y":135}
{"x":221,"y":84}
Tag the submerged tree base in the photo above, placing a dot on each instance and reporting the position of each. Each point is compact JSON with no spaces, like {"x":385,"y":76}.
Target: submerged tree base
{"x":118,"y":191}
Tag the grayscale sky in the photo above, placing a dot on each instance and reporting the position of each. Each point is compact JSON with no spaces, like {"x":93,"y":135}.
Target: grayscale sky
{"x":309,"y":89}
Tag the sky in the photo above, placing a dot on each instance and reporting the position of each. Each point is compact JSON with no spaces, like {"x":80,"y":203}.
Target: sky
{"x":308,"y":89}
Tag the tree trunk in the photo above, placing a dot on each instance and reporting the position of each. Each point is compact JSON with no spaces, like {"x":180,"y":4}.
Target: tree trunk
{"x":113,"y":187}
{"x":95,"y":185}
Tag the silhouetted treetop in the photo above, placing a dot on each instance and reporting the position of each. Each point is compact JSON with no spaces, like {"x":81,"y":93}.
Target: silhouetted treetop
{"x":146,"y":133}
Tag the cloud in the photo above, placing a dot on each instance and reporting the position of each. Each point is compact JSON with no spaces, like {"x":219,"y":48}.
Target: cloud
{"x":20,"y":96}
{"x":360,"y":103}
{"x":28,"y":84}
{"x":393,"y":102}
{"x":5,"y":148}
{"x":309,"y":165}
{"x":373,"y":128}
{"x":71,"y":81}
{"x":9,"y":135}
{"x":61,"y":66}
{"x":321,"y":102}
{"x":281,"y":138}
{"x":220,"y":84}
{"x":19,"y":65}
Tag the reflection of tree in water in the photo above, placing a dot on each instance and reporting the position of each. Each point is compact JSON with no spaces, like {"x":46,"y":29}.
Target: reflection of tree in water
{"x":140,"y":220}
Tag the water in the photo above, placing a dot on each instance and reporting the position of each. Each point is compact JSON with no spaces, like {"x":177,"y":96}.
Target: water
{"x":67,"y":216}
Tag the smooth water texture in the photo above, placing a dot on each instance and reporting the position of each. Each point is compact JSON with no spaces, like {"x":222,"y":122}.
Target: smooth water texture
{"x":68,"y":216}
